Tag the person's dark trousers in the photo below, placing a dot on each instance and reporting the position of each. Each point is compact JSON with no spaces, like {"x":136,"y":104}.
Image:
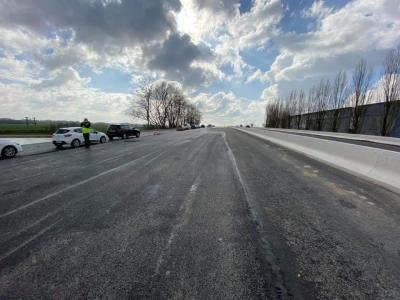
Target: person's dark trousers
{"x":86,"y":136}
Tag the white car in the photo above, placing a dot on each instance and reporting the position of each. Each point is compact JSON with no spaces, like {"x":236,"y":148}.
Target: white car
{"x":73,"y":136}
{"x":9,"y":149}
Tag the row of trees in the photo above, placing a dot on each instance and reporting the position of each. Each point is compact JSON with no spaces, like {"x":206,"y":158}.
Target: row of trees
{"x":163,"y":104}
{"x":338,"y":93}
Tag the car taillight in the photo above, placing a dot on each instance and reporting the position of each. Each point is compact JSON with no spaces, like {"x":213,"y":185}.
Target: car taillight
{"x":67,"y":135}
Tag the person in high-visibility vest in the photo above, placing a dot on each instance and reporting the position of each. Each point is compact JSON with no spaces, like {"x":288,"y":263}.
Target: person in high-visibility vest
{"x":86,"y":132}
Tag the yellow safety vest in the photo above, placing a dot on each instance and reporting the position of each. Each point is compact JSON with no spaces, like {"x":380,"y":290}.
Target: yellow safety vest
{"x":85,"y":130}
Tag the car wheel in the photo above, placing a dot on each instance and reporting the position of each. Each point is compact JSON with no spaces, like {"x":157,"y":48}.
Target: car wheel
{"x":126,"y":136}
{"x":103,"y":139}
{"x":9,"y":152}
{"x":111,"y":138}
{"x":138,"y":134}
{"x":75,"y":143}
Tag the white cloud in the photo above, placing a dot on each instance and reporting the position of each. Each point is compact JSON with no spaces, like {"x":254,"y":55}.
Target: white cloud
{"x":138,"y":36}
{"x":317,"y":10}
{"x":254,"y":28}
{"x":63,"y":103}
{"x":226,"y":109}
{"x":67,"y":78}
{"x":361,"y":29}
{"x":220,"y":23}
{"x":43,"y":47}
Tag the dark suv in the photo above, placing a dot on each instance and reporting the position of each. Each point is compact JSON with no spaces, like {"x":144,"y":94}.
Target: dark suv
{"x":123,"y":131}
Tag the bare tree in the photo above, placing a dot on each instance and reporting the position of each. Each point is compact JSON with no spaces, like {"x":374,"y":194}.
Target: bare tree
{"x":141,"y":103}
{"x":310,"y":107}
{"x":273,"y":113}
{"x":391,"y":88}
{"x":322,"y":94}
{"x":163,"y":105}
{"x":300,"y":107}
{"x":361,"y":81}
{"x":291,"y":106}
{"x":161,"y":97}
{"x":339,"y":96}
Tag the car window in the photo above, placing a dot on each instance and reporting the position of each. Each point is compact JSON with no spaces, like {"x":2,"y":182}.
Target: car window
{"x":62,"y":131}
{"x":113,"y":127}
{"x":125,"y":126}
{"x":78,"y":130}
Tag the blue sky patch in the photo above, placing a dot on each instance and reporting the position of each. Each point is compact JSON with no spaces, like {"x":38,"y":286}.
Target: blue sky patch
{"x":109,"y":80}
{"x":245,"y":6}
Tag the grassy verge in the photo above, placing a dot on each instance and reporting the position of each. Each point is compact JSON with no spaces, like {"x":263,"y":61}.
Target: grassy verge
{"x":43,"y":130}
{"x":23,"y":129}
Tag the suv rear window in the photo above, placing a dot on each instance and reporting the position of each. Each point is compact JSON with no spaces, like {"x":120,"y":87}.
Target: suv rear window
{"x":62,"y":131}
{"x":113,"y":126}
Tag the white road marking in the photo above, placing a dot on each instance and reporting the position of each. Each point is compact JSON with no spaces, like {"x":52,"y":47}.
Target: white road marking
{"x":153,"y":159}
{"x":235,"y":167}
{"x":73,"y":186}
{"x":40,"y":233}
{"x":193,"y":188}
{"x":185,"y":208}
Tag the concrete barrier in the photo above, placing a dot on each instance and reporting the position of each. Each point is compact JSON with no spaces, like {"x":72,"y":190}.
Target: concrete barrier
{"x":382,"y":166}
{"x":355,"y":137}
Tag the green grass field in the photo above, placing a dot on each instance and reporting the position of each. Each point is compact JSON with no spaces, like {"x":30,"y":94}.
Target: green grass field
{"x":40,"y":129}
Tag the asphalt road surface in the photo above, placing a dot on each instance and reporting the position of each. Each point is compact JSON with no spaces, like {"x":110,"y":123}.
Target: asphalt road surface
{"x":199,"y":214}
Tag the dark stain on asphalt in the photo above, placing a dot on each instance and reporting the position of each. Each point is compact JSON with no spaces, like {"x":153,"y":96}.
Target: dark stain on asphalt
{"x":347,"y":204}
{"x":9,"y":192}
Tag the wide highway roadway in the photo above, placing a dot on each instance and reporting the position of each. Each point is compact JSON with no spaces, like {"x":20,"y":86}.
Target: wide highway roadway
{"x":199,"y":214}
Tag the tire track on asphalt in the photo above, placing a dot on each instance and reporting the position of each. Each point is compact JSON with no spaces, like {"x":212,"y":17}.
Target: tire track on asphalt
{"x":279,"y":290}
{"x":49,"y":196}
{"x":39,"y":234}
{"x":14,"y":238}
{"x":183,"y":212}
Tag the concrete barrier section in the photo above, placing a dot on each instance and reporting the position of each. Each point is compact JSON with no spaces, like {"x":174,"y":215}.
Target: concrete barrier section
{"x":382,"y":166}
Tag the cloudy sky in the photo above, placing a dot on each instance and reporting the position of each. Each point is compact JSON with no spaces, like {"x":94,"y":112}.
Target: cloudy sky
{"x":69,"y":59}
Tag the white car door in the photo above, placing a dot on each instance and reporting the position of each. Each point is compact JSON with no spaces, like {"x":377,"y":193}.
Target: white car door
{"x":94,"y":136}
{"x":78,"y":134}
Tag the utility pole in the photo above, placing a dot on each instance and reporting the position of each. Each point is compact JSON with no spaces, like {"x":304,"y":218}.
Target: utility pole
{"x":26,"y":121}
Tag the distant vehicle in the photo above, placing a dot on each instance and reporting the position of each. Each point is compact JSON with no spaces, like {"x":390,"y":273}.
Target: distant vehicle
{"x":192,"y":126}
{"x":209,"y":125}
{"x":123,"y":131}
{"x":8,"y":149}
{"x":183,"y":127}
{"x":73,"y":136}
{"x":202,"y":126}
{"x":247,"y":126}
